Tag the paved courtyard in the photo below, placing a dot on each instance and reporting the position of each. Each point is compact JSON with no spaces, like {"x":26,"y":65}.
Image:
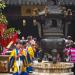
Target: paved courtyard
{"x":42,"y":74}
{"x":5,"y":74}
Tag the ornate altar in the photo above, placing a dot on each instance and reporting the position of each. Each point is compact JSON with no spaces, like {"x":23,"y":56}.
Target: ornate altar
{"x":48,"y":68}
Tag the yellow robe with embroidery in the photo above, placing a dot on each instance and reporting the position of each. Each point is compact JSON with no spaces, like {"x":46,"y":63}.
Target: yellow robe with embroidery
{"x":15,"y":68}
{"x":31,"y":54}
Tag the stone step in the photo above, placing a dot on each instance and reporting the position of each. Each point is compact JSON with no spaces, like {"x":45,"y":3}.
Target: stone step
{"x":5,"y":74}
{"x":36,"y":73}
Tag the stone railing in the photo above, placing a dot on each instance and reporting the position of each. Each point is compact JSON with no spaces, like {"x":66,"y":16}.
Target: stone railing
{"x":47,"y":68}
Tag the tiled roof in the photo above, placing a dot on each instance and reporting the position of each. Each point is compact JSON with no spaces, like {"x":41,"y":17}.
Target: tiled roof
{"x":66,"y":2}
{"x":26,"y":2}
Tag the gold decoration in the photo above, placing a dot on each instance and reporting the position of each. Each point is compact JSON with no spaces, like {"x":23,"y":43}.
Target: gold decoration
{"x":35,"y":12}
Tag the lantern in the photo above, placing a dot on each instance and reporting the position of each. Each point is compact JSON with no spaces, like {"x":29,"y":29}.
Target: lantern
{"x":24,"y":22}
{"x":34,"y":22}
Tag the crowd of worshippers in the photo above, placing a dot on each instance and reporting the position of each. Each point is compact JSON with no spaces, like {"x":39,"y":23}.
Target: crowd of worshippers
{"x":22,"y":56}
{"x":70,"y":49}
{"x":26,"y":50}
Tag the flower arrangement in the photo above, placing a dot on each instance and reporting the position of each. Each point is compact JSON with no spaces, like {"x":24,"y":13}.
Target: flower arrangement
{"x":3,"y":19}
{"x":2,"y":4}
{"x":9,"y":31}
